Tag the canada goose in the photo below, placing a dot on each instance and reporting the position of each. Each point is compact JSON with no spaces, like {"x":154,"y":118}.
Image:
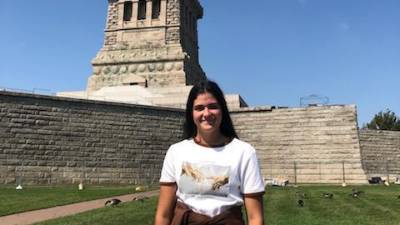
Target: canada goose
{"x":300,"y":203}
{"x":139,"y":198}
{"x":327,"y":195}
{"x":112,"y":202}
{"x":355,"y":193}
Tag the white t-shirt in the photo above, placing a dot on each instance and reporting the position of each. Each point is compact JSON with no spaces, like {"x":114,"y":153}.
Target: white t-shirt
{"x":210,"y":180}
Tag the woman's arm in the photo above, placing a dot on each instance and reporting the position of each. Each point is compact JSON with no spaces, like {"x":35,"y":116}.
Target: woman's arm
{"x":254,"y":209}
{"x":166,"y":204}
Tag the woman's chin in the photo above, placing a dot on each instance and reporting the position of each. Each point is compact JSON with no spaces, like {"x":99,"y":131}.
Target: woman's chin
{"x":207,"y":129}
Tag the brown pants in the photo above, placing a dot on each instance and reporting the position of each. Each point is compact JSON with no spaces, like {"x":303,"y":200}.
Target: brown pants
{"x":184,"y":216}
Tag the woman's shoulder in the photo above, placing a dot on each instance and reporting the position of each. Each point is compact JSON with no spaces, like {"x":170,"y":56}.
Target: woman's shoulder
{"x":243,"y":145}
{"x":181,"y":144}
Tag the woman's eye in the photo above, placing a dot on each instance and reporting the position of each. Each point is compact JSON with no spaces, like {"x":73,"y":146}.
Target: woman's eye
{"x":213,"y":106}
{"x":199,"y":107}
{"x":209,"y":106}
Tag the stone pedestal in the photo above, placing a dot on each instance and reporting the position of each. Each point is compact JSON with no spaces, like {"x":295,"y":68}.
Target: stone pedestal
{"x":159,"y":50}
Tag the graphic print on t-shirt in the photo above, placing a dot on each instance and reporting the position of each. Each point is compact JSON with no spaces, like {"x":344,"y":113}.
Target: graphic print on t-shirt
{"x":204,"y":179}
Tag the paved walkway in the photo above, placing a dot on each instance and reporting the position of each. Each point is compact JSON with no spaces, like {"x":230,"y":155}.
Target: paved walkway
{"x":31,"y":217}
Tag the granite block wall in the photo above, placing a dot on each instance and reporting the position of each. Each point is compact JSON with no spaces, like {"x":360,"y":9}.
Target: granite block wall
{"x":380,"y":153}
{"x":305,"y":145}
{"x":48,"y":140}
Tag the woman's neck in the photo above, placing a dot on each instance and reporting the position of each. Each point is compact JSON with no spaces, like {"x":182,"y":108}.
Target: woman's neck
{"x":210,"y":139}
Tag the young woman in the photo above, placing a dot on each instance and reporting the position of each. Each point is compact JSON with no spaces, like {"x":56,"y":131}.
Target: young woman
{"x":207,"y":177}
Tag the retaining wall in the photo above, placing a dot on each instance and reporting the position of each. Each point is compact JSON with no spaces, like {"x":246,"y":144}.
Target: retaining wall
{"x":47,"y":139}
{"x":380,"y":153}
{"x":305,"y":145}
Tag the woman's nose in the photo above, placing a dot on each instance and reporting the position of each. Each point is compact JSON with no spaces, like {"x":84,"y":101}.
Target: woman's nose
{"x":206,"y":111}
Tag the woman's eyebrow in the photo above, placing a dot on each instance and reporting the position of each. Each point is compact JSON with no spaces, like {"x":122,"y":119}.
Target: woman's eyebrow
{"x":212,"y":105}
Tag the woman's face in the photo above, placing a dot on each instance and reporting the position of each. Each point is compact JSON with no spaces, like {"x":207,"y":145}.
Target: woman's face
{"x":207,"y":114}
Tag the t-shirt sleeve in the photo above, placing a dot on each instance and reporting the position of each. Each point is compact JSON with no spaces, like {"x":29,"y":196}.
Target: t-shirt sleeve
{"x":168,"y":169}
{"x":252,"y":182}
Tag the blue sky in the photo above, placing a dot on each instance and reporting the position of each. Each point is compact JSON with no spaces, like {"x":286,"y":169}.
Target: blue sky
{"x":272,"y":52}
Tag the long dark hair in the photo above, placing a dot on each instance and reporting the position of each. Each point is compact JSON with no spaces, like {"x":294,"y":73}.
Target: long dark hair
{"x":207,"y":86}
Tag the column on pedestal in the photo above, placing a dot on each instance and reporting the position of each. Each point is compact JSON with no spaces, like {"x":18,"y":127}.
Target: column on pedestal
{"x":121,"y":14}
{"x":149,"y":9}
{"x":134,"y":12}
{"x":163,"y":12}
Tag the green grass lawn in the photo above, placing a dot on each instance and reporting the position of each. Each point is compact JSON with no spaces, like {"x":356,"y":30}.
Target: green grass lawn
{"x":132,"y":213}
{"x":38,"y":197}
{"x":378,"y":205}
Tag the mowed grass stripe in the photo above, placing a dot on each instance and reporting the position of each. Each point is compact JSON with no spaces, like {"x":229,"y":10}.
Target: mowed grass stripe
{"x":280,"y":200}
{"x":341,"y":210}
{"x":39,"y":197}
{"x":379,"y":209}
{"x":128,"y":213}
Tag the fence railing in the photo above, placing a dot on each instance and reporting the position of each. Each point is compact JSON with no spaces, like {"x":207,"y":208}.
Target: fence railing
{"x":41,"y":91}
{"x":330,"y":172}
